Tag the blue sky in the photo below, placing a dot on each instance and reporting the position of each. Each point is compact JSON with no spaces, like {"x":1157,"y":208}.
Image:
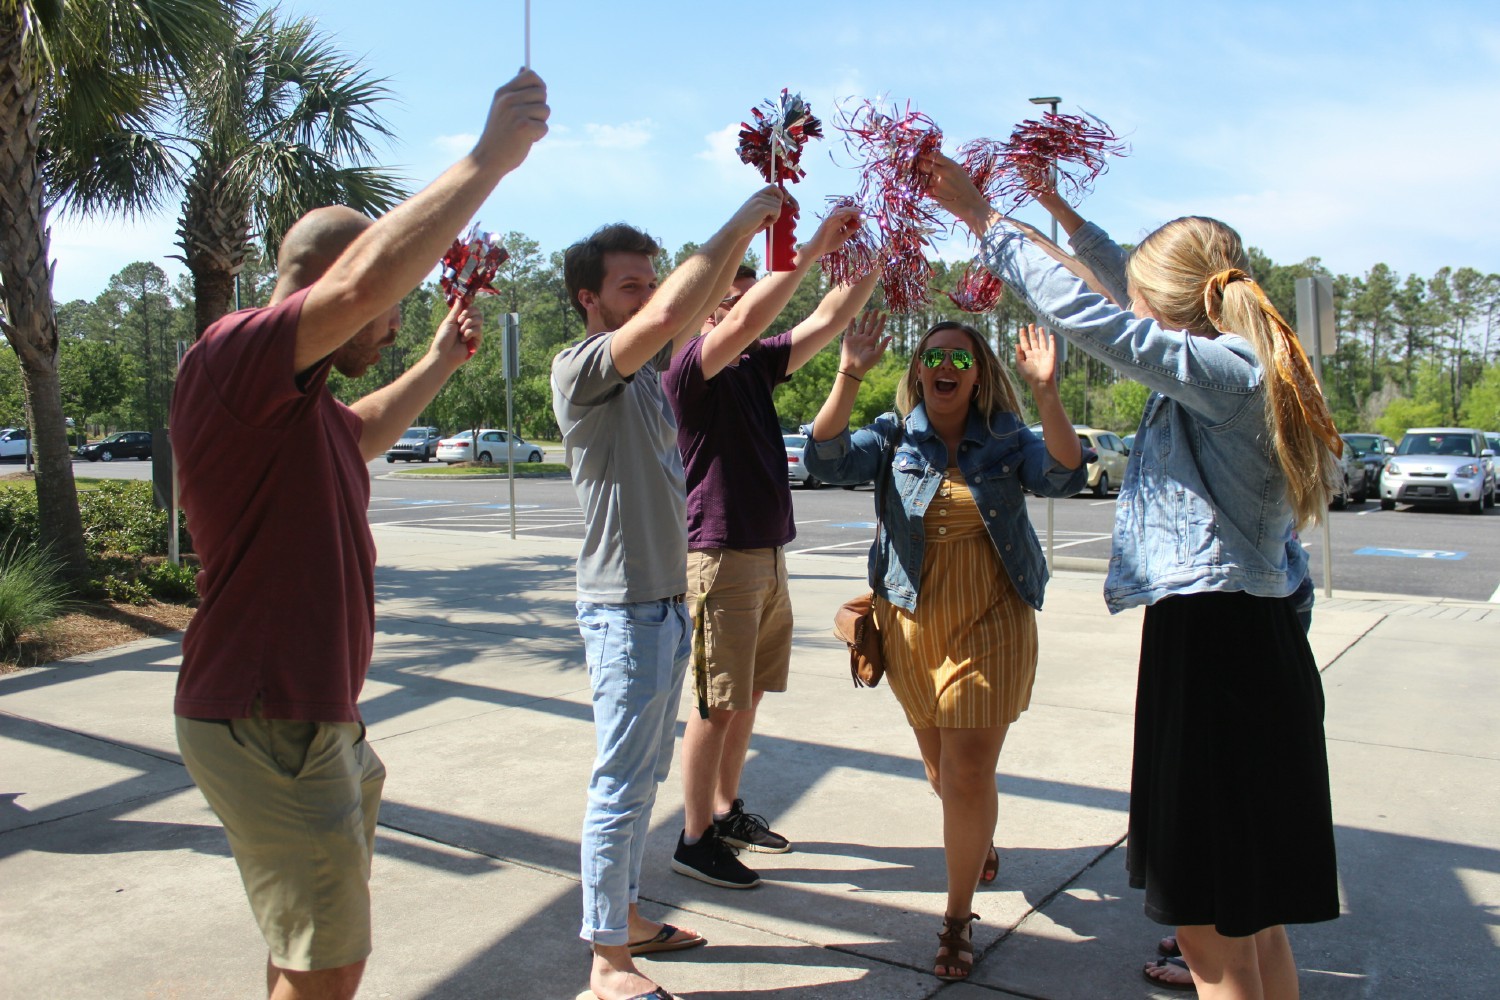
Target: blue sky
{"x":1358,"y":133}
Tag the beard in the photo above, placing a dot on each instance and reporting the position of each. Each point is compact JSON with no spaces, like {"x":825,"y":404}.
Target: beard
{"x":614,"y":320}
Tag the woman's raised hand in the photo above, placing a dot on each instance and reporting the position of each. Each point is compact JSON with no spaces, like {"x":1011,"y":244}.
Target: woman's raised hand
{"x":1036,"y":356}
{"x":863,"y":343}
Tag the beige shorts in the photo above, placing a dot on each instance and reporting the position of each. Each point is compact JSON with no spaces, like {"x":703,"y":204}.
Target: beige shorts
{"x":747,"y":622}
{"x":298,"y":801}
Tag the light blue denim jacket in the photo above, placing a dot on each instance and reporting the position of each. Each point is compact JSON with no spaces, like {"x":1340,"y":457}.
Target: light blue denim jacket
{"x":1203,"y":506}
{"x":996,"y":462}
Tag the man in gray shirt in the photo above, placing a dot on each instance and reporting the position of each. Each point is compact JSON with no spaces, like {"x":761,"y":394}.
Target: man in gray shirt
{"x":620,"y":439}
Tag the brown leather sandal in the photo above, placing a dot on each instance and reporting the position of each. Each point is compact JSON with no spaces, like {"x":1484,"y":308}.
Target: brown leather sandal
{"x":955,"y":949}
{"x":991,"y":867}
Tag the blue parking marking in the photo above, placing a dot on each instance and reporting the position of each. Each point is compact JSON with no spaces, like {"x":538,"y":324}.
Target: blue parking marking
{"x":1411,"y":553}
{"x":506,"y":506}
{"x":854,"y":524}
{"x":420,"y":503}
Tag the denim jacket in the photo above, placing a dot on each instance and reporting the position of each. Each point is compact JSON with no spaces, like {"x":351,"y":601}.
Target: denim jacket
{"x":996,"y":461}
{"x":1204,"y":505}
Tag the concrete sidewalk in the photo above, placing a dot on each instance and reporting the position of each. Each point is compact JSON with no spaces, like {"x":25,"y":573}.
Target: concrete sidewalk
{"x":115,"y":880}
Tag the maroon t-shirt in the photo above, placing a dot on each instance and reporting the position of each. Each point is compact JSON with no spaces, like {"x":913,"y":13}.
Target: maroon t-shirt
{"x":275,"y":492}
{"x":732,"y":453}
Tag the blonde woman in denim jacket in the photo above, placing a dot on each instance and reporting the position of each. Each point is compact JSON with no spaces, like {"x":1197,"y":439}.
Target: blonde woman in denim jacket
{"x":956,"y":568}
{"x":1231,"y":830}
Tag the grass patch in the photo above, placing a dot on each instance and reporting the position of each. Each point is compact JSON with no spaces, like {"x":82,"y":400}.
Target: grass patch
{"x":465,"y":469}
{"x":31,"y":591}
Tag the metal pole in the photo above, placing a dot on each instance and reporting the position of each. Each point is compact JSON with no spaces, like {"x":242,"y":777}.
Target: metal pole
{"x":1317,"y":360}
{"x":1052,"y":504}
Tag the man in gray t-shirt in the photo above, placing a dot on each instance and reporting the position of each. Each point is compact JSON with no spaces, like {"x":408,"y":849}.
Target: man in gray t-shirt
{"x":620,"y":439}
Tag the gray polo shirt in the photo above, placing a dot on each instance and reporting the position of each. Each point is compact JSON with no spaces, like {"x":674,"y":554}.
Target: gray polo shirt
{"x":620,"y":443}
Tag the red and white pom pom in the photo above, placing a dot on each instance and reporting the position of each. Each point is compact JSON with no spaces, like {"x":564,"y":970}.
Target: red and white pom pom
{"x":470,"y":265}
{"x":781,"y":130}
{"x":977,"y":290}
{"x":1075,"y":146}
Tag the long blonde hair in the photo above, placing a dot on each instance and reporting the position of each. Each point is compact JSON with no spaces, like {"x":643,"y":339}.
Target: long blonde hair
{"x":993,"y":389}
{"x":1194,"y":275}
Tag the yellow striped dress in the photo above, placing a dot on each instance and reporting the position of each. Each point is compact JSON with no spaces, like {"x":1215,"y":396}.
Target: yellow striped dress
{"x":966,"y":659}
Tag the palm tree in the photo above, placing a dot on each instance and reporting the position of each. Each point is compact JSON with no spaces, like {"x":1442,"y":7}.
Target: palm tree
{"x":78,"y":81}
{"x":279,"y":126}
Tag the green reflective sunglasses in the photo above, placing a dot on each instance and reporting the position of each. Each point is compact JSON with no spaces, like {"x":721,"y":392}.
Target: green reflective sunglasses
{"x":962,"y":360}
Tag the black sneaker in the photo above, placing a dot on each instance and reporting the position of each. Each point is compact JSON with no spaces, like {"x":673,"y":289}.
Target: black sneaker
{"x":747,"y":830}
{"x":713,"y":861}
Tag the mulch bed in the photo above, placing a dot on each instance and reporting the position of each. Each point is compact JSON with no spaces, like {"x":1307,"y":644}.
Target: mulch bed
{"x":95,"y":625}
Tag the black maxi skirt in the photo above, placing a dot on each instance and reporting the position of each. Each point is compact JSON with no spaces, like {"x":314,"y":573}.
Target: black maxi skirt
{"x":1230,"y":819}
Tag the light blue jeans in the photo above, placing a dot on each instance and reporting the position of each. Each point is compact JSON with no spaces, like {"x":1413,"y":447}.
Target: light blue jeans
{"x":637,"y":656}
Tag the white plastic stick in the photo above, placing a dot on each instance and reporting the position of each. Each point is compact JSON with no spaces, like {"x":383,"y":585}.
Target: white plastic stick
{"x":528,"y":33}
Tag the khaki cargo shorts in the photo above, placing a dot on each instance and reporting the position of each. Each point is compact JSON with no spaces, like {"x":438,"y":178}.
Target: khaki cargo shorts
{"x":299,"y":802}
{"x":747,"y":622}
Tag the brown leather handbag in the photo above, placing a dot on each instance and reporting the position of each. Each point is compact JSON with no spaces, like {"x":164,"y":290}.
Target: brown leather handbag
{"x":854,"y":622}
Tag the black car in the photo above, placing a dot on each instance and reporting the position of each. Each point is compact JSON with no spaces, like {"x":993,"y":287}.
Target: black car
{"x":125,"y":444}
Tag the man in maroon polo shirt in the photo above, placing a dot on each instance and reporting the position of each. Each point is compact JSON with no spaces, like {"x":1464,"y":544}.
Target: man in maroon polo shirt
{"x":739,"y":514}
{"x":273,"y":480}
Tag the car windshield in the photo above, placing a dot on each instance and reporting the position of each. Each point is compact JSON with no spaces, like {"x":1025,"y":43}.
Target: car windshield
{"x":113,"y":437}
{"x":414,"y":432}
{"x":1437,"y":444}
{"x":794,"y":440}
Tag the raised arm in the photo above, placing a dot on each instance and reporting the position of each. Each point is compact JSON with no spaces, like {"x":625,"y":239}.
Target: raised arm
{"x":391,"y":257}
{"x":863,"y":346}
{"x":764,"y":301}
{"x":953,"y":189}
{"x":679,"y":304}
{"x":1036,"y":360}
{"x":388,"y":411}
{"x":834,"y":313}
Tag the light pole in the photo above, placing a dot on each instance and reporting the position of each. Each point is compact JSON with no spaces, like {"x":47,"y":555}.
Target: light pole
{"x":1052,"y":103}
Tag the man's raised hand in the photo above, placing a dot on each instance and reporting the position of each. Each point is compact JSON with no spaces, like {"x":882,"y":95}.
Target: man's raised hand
{"x":518,"y":118}
{"x":833,"y":232}
{"x":762,"y":209}
{"x":458,"y":336}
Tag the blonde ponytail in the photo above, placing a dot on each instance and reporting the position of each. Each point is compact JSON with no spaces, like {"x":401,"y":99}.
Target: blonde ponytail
{"x":1194,"y":274}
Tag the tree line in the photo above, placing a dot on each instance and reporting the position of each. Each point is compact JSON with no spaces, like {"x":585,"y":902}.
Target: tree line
{"x":1412,"y":351}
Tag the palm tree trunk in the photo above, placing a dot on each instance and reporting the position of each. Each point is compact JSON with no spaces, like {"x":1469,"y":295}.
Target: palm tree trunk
{"x":26,"y":291}
{"x":214,"y":234}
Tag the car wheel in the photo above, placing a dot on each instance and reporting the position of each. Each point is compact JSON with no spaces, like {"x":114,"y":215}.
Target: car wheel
{"x":426,"y":459}
{"x":1101,"y":488}
{"x":1360,"y":495}
{"x":107,"y":456}
{"x":535,"y":456}
{"x":1387,"y":504}
{"x":811,"y":482}
{"x":1489,"y":499}
{"x":389,"y":460}
{"x":484,"y":458}
{"x":1341,"y":502}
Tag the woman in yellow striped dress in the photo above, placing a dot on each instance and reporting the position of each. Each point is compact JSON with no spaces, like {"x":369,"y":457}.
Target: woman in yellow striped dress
{"x":956,"y":568}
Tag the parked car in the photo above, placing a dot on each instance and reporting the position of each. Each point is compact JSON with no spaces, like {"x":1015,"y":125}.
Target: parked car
{"x":1129,"y":440}
{"x":1356,"y":479}
{"x":1107,"y":470}
{"x":125,"y":444}
{"x":1372,"y":450}
{"x":417,"y":444}
{"x":1440,"y":466}
{"x":13,"y":442}
{"x":492,"y":448}
{"x":796,"y":471}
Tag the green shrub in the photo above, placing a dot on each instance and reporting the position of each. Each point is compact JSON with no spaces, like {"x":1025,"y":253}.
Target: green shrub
{"x":18,"y":515}
{"x":170,"y":583}
{"x":31,"y":591}
{"x":120,"y":516}
{"x":123,"y":590}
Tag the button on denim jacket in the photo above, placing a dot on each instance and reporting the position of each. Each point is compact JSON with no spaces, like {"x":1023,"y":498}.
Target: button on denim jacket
{"x":1203,"y":506}
{"x":996,"y":461}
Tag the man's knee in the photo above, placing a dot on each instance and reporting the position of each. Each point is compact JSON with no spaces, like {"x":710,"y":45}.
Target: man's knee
{"x":340,"y":983}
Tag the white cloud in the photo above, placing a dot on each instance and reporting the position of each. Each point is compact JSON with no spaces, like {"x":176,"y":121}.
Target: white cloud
{"x":455,"y":145}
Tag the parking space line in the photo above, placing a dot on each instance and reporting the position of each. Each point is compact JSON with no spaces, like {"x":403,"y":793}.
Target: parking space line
{"x":830,"y":548}
{"x":1495,"y":597}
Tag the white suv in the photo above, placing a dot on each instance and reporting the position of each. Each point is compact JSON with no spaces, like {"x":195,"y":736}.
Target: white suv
{"x":1440,"y":466}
